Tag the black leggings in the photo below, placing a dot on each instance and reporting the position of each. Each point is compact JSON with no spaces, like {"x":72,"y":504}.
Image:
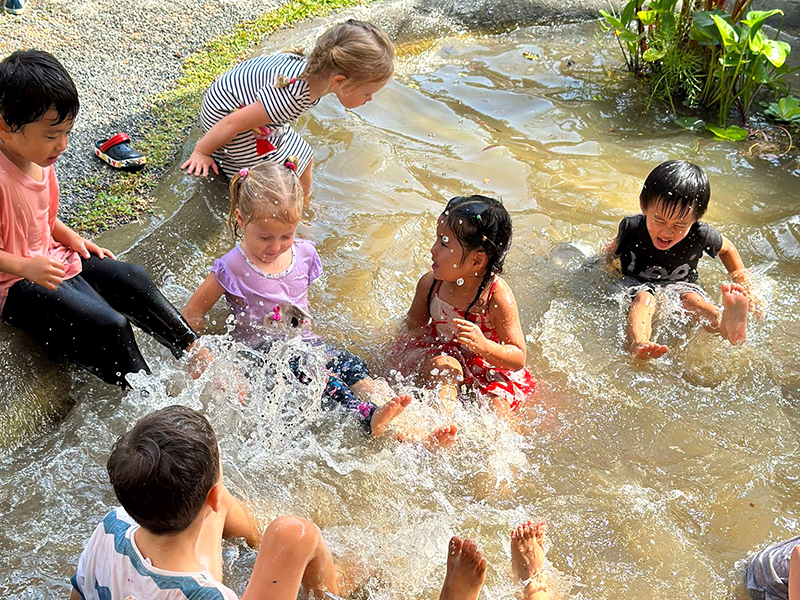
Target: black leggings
{"x":85,"y":319}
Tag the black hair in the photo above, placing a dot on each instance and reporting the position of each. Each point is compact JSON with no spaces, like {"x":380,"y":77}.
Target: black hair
{"x":679,"y":186}
{"x":480,"y":223}
{"x":33,"y":82}
{"x":164,"y":467}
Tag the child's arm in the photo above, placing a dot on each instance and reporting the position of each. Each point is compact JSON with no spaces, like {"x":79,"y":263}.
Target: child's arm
{"x":418,"y":311}
{"x":73,"y":241}
{"x":610,"y":250}
{"x":729,"y":256}
{"x":201,"y":302}
{"x":510,"y":353}
{"x":222,"y":132}
{"x":45,"y":271}
{"x":794,"y":574}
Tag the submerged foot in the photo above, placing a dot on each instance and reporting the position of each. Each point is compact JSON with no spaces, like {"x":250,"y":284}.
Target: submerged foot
{"x":733,"y":326}
{"x":466,"y":571}
{"x":527,"y":558}
{"x":645,"y":350}
{"x":387,"y":413}
{"x":443,"y":437}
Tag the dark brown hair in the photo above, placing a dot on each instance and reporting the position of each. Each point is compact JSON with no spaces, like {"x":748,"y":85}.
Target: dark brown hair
{"x":163,"y":468}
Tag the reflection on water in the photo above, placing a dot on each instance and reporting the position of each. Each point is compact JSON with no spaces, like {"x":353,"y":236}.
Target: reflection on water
{"x":655,"y":479}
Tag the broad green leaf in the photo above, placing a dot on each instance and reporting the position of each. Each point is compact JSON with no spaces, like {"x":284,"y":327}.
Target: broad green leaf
{"x":728,"y":33}
{"x":755,"y":42}
{"x":629,"y":37}
{"x":612,"y":20}
{"x":627,"y":12}
{"x":647,"y":17}
{"x":652,"y":54}
{"x":775,"y":51}
{"x":734,"y":133}
{"x":690,"y":123}
{"x":757,"y":17}
{"x":789,"y":105}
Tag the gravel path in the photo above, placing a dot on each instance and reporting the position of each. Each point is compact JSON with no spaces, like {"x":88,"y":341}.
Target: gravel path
{"x":121,"y":53}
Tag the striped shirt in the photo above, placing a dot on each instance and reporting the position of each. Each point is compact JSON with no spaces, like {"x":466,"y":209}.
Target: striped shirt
{"x":112,"y":566}
{"x":255,"y":81}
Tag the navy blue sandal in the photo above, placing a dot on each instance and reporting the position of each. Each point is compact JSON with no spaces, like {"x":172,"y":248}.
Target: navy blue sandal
{"x":118,"y":152}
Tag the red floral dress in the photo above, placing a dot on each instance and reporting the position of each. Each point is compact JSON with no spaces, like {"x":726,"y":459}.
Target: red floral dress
{"x":439,"y":338}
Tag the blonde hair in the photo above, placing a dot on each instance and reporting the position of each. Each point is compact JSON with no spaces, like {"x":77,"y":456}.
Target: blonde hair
{"x":267,"y":190}
{"x":360,"y":51}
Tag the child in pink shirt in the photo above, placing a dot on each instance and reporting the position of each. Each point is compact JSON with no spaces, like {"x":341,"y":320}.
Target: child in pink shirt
{"x":69,"y":294}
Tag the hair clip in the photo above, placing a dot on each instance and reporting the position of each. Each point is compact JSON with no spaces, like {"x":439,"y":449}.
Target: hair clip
{"x":484,"y":238}
{"x":478,"y":217}
{"x":243,"y":172}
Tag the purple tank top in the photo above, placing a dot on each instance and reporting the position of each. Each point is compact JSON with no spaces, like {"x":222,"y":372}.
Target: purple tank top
{"x":253,"y":294}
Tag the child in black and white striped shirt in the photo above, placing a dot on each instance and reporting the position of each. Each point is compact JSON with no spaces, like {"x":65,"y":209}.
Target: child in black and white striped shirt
{"x":246,"y":112}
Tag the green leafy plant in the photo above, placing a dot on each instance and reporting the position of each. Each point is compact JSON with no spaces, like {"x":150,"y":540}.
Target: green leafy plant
{"x":742,"y":62}
{"x":787,"y":109}
{"x":702,"y":53}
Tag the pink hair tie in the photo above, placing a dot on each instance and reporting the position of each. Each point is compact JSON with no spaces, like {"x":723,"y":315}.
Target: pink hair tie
{"x":244,"y":172}
{"x":290,"y":165}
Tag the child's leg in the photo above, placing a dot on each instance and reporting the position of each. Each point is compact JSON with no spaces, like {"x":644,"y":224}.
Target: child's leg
{"x":129,"y":290}
{"x":76,"y":322}
{"x":292,"y":554}
{"x":354,"y":373}
{"x":527,"y":559}
{"x":640,"y":327}
{"x":466,"y":571}
{"x":305,"y":179}
{"x":445,"y":372}
{"x":731,"y":322}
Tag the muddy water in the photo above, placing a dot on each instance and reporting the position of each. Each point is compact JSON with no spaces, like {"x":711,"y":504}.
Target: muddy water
{"x":656,"y":479}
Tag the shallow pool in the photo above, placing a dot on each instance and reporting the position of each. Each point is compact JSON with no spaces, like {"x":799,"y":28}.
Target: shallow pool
{"x":656,"y":479}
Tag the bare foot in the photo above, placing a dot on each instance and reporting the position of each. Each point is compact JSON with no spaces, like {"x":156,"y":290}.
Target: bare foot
{"x":527,"y":558}
{"x":466,"y":571}
{"x":733,"y":326}
{"x":386,"y":413}
{"x":442,"y":437}
{"x":645,"y":350}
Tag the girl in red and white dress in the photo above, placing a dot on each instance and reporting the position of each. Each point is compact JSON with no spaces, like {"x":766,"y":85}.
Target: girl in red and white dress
{"x":463,"y":325}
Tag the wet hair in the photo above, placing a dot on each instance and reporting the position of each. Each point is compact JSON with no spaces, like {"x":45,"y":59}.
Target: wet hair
{"x":267,"y":190}
{"x":33,"y":82}
{"x":679,"y":186}
{"x":360,"y":51}
{"x":480,"y":223}
{"x":163,"y":468}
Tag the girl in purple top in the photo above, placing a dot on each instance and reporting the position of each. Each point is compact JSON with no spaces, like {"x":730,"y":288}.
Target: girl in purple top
{"x":265,"y":279}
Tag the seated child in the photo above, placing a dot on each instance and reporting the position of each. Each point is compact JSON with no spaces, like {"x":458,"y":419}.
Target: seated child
{"x":269,"y":268}
{"x":774,"y":572}
{"x":69,"y":294}
{"x":246,"y":112}
{"x":660,"y":249}
{"x":463,"y":325}
{"x":165,"y":542}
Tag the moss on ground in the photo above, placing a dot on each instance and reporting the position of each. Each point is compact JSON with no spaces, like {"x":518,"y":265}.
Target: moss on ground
{"x":176,"y":110}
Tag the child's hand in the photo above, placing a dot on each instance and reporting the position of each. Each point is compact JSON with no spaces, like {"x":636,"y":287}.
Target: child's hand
{"x":470,"y":335}
{"x":86,"y":248}
{"x":45,"y":271}
{"x":199,"y":164}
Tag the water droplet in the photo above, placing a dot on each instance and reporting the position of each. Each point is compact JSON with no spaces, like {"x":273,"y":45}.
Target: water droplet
{"x":445,"y":239}
{"x":460,"y":221}
{"x":460,"y":281}
{"x":455,"y":266}
{"x":261,"y":303}
{"x":247,"y":273}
